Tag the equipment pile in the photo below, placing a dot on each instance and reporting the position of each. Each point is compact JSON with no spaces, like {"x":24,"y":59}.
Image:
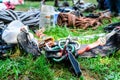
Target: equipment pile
{"x":14,"y":29}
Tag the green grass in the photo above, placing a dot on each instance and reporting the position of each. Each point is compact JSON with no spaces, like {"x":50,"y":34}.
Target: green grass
{"x":34,"y":4}
{"x":25,"y":67}
{"x":28,"y":5}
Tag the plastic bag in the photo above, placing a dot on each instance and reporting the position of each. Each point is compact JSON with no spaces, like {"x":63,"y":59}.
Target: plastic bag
{"x":3,"y":6}
{"x":9,"y":35}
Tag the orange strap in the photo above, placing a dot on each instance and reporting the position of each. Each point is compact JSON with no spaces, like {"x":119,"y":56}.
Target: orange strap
{"x":87,"y":48}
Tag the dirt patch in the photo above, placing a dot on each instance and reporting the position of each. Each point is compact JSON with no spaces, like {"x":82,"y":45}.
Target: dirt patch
{"x":89,"y":76}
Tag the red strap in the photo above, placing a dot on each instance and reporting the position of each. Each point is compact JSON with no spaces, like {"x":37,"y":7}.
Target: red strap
{"x":87,"y":48}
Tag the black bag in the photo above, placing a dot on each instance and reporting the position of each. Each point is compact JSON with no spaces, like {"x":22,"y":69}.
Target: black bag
{"x":27,"y":45}
{"x":112,"y":45}
{"x":4,"y":47}
{"x":110,"y":27}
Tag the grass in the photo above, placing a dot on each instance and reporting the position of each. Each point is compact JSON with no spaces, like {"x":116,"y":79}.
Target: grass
{"x":25,"y":67}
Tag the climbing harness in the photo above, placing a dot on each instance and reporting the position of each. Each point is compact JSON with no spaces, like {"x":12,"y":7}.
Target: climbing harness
{"x":65,"y":50}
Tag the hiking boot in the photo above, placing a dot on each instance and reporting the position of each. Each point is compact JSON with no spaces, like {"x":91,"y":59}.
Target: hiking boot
{"x":27,"y":45}
{"x":118,"y":16}
{"x":111,"y":14}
